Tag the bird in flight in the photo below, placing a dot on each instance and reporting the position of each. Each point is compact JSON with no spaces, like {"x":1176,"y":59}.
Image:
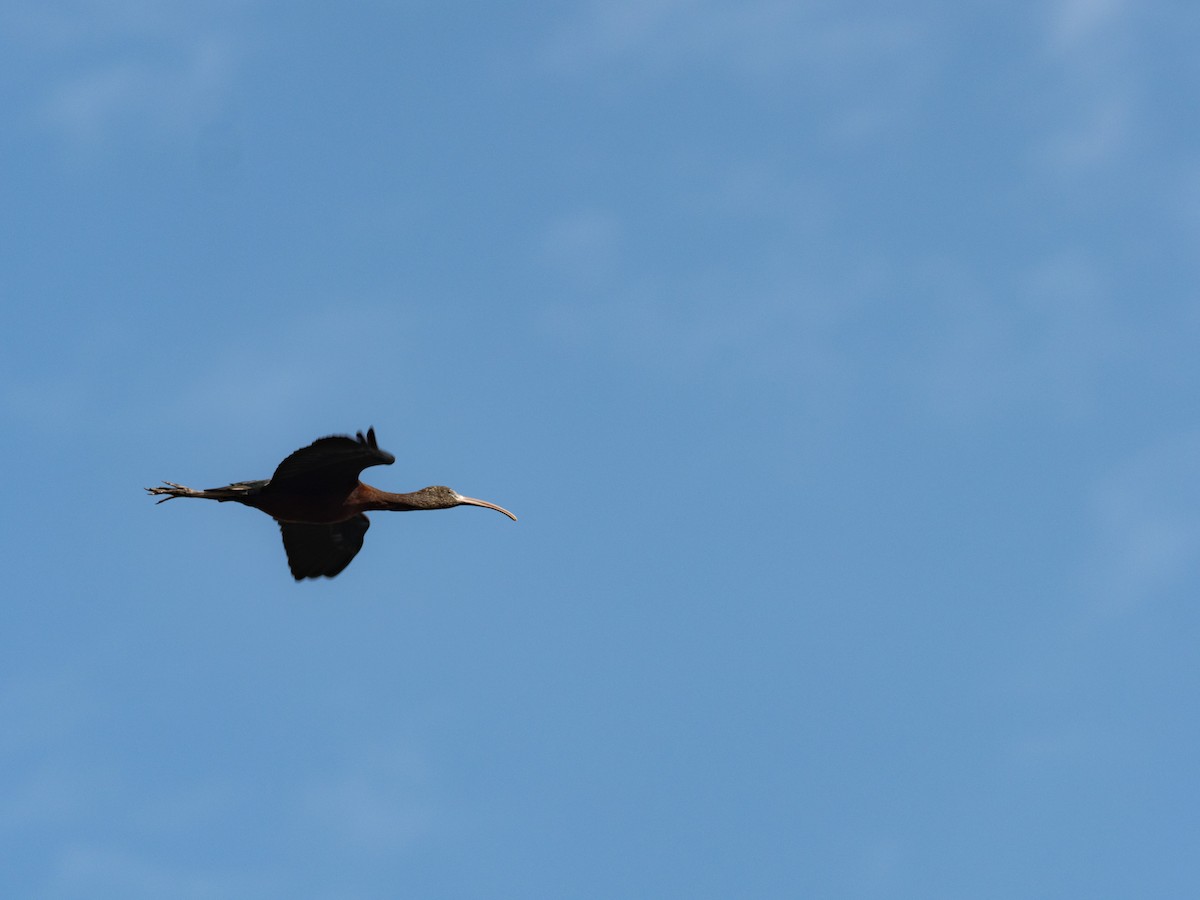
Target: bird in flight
{"x":319,"y":503}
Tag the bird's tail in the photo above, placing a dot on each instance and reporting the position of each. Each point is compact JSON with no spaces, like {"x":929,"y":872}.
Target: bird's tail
{"x":239,"y":491}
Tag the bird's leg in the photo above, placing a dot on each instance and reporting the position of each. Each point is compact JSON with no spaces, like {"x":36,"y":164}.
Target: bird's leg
{"x":173,"y":490}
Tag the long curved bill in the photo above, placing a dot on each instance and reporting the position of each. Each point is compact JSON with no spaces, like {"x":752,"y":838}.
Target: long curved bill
{"x":471,"y":501}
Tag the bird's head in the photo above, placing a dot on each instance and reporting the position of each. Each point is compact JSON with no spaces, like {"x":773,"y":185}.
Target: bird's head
{"x":441,"y":497}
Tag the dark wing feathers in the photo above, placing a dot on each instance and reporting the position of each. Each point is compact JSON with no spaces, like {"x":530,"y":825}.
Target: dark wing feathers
{"x":322,"y":550}
{"x":331,"y":462}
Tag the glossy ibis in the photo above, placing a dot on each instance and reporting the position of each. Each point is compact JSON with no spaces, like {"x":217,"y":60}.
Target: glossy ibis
{"x":319,"y":503}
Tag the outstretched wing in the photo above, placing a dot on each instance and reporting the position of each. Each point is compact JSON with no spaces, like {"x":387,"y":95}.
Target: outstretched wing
{"x":322,"y":550}
{"x":330,"y":463}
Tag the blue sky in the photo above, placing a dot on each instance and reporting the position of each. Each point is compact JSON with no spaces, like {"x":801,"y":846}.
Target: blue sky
{"x":838,"y":359}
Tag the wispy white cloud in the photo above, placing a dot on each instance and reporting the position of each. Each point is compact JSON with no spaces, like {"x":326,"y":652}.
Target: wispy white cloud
{"x":870,"y":65}
{"x":1075,"y":23}
{"x":1090,"y":128}
{"x":172,"y":97}
{"x":98,"y":870}
{"x":583,"y":244}
{"x":378,"y":802}
{"x":1091,"y":136}
{"x":121,"y":831}
{"x":244,"y":385}
{"x":1041,"y":339}
{"x":110,"y":70}
{"x":787,"y":330}
{"x":56,"y":792}
{"x":970,"y":346}
{"x":765,"y":37}
{"x":1147,"y":527}
{"x":1093,"y":91}
{"x":264,"y":377}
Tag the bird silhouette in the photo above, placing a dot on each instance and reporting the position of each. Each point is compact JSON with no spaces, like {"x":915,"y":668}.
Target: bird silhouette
{"x":316,"y":497}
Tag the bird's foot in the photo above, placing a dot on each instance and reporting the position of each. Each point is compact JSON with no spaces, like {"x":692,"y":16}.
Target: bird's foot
{"x":173,"y":490}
